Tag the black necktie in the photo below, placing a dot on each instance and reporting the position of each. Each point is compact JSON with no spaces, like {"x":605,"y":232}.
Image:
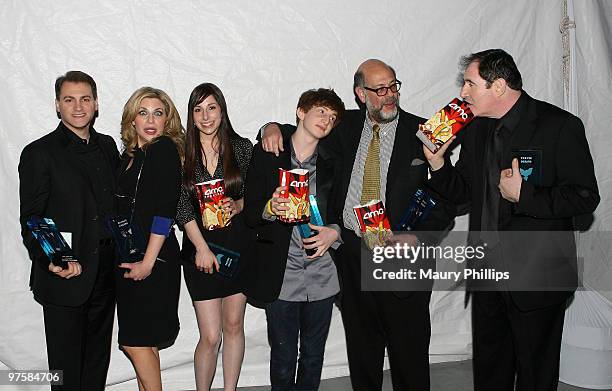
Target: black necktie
{"x":492,"y":169}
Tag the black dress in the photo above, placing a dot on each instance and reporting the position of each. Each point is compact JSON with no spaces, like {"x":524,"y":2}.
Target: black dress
{"x":204,"y":286}
{"x":147,"y":310}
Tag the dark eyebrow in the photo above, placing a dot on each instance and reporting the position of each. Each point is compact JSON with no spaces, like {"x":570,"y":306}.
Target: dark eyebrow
{"x":74,"y":97}
{"x":201,"y":104}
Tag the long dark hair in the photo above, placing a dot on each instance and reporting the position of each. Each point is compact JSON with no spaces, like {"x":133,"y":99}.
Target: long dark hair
{"x":193,"y":146}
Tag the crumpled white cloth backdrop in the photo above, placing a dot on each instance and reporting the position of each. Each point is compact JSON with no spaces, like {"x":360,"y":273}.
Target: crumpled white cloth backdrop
{"x":586,"y":349}
{"x":262,"y":55}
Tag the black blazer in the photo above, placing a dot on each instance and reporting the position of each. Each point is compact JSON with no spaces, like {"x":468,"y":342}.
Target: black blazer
{"x":407,"y":172}
{"x":268,"y":258}
{"x":568,"y":189}
{"x":52,"y":184}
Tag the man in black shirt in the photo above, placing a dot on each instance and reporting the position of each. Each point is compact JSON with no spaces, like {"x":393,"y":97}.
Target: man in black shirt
{"x":68,"y":176}
{"x":526,"y":170}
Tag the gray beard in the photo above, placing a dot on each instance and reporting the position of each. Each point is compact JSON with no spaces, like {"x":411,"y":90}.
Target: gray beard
{"x":378,"y":115}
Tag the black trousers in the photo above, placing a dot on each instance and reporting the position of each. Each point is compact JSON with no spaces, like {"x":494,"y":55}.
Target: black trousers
{"x":515,"y":346}
{"x":375,"y":320}
{"x":79,"y":338}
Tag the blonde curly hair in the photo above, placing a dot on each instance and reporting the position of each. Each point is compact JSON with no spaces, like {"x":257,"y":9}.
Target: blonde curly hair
{"x":173,"y":127}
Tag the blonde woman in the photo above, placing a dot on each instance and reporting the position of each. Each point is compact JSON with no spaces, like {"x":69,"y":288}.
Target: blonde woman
{"x":149,"y":183}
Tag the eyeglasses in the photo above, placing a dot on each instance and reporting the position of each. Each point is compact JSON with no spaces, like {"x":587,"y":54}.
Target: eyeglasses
{"x":382,"y":91}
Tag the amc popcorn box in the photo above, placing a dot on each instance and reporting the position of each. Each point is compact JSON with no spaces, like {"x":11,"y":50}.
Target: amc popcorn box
{"x":444,"y":124}
{"x":210,"y":195}
{"x":373,"y":223}
{"x":296,"y":182}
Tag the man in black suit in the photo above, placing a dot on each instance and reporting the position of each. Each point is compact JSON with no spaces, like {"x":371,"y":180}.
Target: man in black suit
{"x":68,"y":176}
{"x":524,"y":217}
{"x":372,"y":321}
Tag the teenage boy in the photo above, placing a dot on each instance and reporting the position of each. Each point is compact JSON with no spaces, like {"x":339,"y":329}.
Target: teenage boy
{"x":299,"y":289}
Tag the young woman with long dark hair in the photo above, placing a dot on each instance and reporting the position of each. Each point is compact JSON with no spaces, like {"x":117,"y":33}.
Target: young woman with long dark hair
{"x":213,"y":150}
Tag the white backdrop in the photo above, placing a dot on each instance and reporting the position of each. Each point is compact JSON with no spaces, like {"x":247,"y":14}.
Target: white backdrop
{"x":586,"y":349}
{"x":262,"y":55}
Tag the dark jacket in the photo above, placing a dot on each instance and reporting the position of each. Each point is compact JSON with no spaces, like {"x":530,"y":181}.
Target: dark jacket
{"x":268,"y":258}
{"x":568,"y":188}
{"x":52,"y":184}
{"x":407,"y":172}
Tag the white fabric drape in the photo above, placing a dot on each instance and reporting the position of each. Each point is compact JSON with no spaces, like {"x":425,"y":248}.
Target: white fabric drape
{"x":262,"y":55}
{"x":586,"y":350}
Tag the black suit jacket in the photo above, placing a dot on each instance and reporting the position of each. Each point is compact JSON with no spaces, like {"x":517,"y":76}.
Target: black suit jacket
{"x":407,"y":169}
{"x":568,"y":188}
{"x":268,"y":258}
{"x":52,"y":184}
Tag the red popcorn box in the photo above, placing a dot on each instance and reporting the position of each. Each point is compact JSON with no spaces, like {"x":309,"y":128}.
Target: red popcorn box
{"x":296,"y":182}
{"x":373,"y":223}
{"x":210,"y":195}
{"x":444,"y":124}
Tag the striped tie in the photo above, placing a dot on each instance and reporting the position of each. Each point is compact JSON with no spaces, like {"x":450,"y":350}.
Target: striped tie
{"x":370,"y":189}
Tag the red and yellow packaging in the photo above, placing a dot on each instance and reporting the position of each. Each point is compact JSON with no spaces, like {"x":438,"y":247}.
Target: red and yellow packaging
{"x":210,"y":195}
{"x":373,"y":223}
{"x":444,"y":124}
{"x":296,"y":182}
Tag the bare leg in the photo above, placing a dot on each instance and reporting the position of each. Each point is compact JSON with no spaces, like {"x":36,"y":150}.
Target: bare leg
{"x":233,"y":339}
{"x":208,"y":314}
{"x":146,"y":364}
